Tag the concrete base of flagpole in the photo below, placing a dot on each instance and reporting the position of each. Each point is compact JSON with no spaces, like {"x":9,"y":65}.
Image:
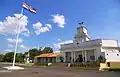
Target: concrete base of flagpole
{"x":13,"y":68}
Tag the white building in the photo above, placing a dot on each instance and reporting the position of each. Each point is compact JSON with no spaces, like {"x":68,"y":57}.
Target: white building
{"x":89,"y":49}
{"x":112,"y":57}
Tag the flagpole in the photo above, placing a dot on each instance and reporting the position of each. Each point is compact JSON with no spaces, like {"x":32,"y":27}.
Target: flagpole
{"x":17,"y":37}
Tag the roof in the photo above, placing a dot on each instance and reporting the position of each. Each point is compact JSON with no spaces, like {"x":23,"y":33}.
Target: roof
{"x":47,"y":55}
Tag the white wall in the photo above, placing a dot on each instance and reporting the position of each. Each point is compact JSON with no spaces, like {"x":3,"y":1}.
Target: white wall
{"x":109,"y":50}
{"x":97,"y":52}
{"x":87,"y":44}
{"x":109,"y":43}
{"x":112,"y":57}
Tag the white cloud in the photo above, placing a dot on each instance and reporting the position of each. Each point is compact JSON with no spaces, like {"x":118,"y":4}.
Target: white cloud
{"x":10,"y":46}
{"x":8,"y":50}
{"x":13,"y":41}
{"x":39,"y":28}
{"x":56,"y":51}
{"x":59,"y":39}
{"x":11,"y":23}
{"x":38,"y":25}
{"x":23,"y":46}
{"x":49,"y":26}
{"x":57,"y":45}
{"x":59,"y":19}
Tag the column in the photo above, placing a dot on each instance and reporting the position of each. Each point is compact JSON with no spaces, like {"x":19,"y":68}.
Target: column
{"x":85,"y":56}
{"x":64,"y":56}
{"x":74,"y":56}
{"x":94,"y":54}
{"x":56,"y":60}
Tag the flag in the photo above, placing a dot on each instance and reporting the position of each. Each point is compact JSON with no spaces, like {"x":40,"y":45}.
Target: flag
{"x":28,"y":7}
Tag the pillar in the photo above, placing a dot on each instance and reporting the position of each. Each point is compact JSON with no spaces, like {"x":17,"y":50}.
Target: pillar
{"x":74,"y":56}
{"x":64,"y":56}
{"x":95,"y":55}
{"x":85,"y":56}
{"x":57,"y":60}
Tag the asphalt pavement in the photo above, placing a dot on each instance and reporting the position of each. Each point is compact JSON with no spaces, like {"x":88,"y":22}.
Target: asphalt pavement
{"x":55,"y":72}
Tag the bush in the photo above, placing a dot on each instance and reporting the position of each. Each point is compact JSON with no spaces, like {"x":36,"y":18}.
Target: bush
{"x":87,"y":64}
{"x":41,"y":64}
{"x":101,"y":59}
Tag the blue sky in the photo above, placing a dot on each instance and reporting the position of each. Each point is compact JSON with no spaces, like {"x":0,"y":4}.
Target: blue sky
{"x":101,"y":17}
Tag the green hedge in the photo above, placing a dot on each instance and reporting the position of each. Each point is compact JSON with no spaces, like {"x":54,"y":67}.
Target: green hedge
{"x":89,"y":64}
{"x":85,"y":65}
{"x":41,"y":64}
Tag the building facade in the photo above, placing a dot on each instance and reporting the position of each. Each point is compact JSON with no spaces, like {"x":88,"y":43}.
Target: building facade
{"x":83,"y":46}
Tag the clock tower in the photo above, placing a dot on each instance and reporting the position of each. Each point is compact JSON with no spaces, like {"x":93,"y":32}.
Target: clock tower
{"x":82,"y":34}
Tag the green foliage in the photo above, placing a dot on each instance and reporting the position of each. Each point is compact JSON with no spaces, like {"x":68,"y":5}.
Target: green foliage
{"x":9,"y":57}
{"x":34,"y":52}
{"x":79,"y":59}
{"x":1,"y":57}
{"x":101,"y":59}
{"x":47,"y":50}
{"x":20,"y":57}
{"x":41,"y":64}
{"x":86,"y":65}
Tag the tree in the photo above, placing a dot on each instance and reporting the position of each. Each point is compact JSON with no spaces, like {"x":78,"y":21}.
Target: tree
{"x":47,"y":50}
{"x":101,"y":59}
{"x":1,"y":57}
{"x":33,"y":52}
{"x":20,"y":57}
{"x":9,"y":57}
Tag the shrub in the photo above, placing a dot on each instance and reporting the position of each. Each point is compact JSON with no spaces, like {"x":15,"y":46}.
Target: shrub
{"x":41,"y":64}
{"x":86,"y":64}
{"x":101,"y":59}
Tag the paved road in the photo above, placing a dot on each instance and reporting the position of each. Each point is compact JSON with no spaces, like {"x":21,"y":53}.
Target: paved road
{"x":56,"y":72}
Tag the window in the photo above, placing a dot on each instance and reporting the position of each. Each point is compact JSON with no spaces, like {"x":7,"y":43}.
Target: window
{"x":92,"y":57}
